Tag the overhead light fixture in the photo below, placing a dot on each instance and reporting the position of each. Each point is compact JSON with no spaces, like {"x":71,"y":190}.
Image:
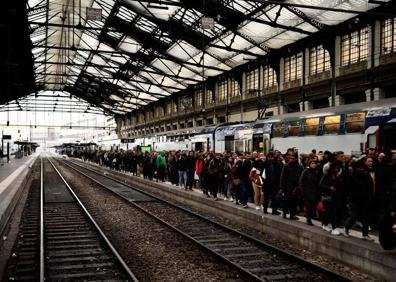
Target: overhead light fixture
{"x":379,"y":2}
{"x":157,"y":6}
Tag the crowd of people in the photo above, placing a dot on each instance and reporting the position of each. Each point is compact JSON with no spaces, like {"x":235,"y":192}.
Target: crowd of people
{"x":335,"y":188}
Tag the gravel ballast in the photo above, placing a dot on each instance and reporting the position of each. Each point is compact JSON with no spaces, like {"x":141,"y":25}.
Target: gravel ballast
{"x":324,"y":261}
{"x":152,"y":251}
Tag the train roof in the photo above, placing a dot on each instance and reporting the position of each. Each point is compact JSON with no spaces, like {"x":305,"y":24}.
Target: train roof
{"x":350,"y":108}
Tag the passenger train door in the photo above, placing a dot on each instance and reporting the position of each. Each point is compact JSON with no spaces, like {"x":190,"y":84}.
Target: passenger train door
{"x":261,"y":142}
{"x":383,"y":139}
{"x":387,"y":138}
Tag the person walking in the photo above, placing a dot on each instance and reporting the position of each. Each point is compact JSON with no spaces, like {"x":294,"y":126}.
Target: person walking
{"x":360,"y":194}
{"x":290,"y":176}
{"x":198,"y":169}
{"x":160,"y":163}
{"x":331,"y":187}
{"x":182,"y":168}
{"x":214,"y":176}
{"x":309,"y":185}
{"x":190,"y":163}
{"x":225,"y":169}
{"x":271,"y":176}
{"x":257,"y":183}
{"x":245,"y":181}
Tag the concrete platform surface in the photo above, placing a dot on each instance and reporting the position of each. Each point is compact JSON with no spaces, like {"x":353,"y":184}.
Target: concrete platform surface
{"x":13,"y":176}
{"x":368,"y":257}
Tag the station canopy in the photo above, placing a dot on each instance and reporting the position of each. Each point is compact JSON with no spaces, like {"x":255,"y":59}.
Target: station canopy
{"x":122,"y":55}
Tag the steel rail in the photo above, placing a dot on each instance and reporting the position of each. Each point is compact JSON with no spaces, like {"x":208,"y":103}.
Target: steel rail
{"x":98,"y":229}
{"x":289,"y":255}
{"x":240,"y":269}
{"x":42,"y":274}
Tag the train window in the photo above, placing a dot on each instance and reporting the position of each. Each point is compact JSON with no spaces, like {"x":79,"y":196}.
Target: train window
{"x":311,"y":126}
{"x":294,"y":128}
{"x":332,"y":124}
{"x":277,"y":130}
{"x":354,"y":122}
{"x":239,"y":146}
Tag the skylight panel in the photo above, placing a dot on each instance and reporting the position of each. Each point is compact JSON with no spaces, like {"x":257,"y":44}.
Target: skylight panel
{"x":96,"y":59}
{"x":116,"y":35}
{"x":74,"y":69}
{"x":148,"y":96}
{"x":93,"y":71}
{"x":116,"y":98}
{"x":88,"y":41}
{"x":37,"y":38}
{"x":126,"y":14}
{"x":258,"y":31}
{"x":240,"y":5}
{"x":129,"y":45}
{"x":287,"y":18}
{"x":119,"y":58}
{"x":146,"y":25}
{"x":105,"y":47}
{"x":126,"y":109}
{"x":278,"y":41}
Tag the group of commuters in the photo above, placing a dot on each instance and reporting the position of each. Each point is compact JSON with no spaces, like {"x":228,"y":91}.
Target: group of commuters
{"x":335,"y":188}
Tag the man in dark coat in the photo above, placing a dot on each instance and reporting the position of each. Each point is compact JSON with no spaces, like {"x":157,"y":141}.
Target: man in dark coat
{"x":387,"y":231}
{"x":245,"y":181}
{"x":290,"y":176}
{"x":309,"y":185}
{"x":271,"y":176}
{"x":360,"y":194}
{"x":190,"y":169}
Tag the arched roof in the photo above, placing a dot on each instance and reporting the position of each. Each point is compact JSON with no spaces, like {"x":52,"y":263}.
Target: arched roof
{"x":137,"y":52}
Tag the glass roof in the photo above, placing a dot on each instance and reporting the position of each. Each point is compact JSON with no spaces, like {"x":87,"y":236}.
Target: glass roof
{"x":130,"y":53}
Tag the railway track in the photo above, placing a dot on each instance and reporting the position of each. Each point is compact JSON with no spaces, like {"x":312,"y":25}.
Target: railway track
{"x":255,"y":259}
{"x":60,"y":241}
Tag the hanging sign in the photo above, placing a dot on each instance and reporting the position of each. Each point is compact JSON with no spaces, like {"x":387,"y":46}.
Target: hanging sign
{"x":207,"y":23}
{"x":94,"y":14}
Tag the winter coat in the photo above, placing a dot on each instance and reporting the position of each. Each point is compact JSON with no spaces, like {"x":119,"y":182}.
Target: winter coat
{"x":190,"y":163}
{"x":198,"y":166}
{"x":182,"y":164}
{"x":325,"y":187}
{"x":309,"y":184}
{"x":360,"y":188}
{"x":160,"y":161}
{"x":255,"y":177}
{"x":214,"y":168}
{"x":246,"y":167}
{"x":289,"y":179}
{"x":271,"y":175}
{"x":393,"y":199}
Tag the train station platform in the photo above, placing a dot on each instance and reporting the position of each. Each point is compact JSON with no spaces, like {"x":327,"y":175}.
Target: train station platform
{"x":13,"y":177}
{"x":366,"y":256}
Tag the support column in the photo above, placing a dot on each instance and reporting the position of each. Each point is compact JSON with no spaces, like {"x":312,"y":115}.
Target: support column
{"x":377,"y":43}
{"x":338,"y":100}
{"x":305,"y":106}
{"x":281,"y":73}
{"x":378,"y":94}
{"x":282,"y":110}
{"x":337,"y":56}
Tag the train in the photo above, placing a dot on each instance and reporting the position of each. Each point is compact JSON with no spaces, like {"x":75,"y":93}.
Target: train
{"x":351,"y":128}
{"x":70,"y":149}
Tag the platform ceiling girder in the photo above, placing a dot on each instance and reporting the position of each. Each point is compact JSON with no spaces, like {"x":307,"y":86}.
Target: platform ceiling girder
{"x":140,"y":53}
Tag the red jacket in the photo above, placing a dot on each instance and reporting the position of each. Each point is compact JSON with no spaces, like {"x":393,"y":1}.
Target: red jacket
{"x":198,"y":166}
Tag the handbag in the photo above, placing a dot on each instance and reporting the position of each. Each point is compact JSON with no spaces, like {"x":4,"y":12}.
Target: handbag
{"x":326,"y":198}
{"x":320,"y":208}
{"x":236,"y":182}
{"x":196,"y":177}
